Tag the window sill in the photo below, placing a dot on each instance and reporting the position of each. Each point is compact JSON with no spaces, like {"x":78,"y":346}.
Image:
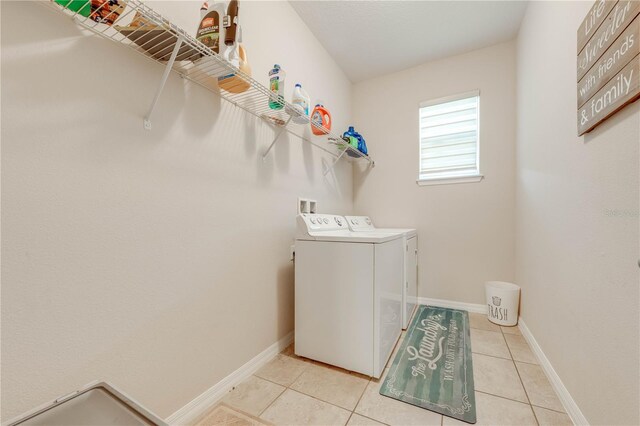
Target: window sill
{"x":450,"y":180}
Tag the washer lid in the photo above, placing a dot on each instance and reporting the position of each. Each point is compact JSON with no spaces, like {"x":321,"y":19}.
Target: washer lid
{"x":408,"y":232}
{"x":360,"y":223}
{"x":364,"y":223}
{"x":351,"y":237}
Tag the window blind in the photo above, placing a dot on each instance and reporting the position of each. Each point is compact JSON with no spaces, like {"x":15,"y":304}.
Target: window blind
{"x":449,"y":130}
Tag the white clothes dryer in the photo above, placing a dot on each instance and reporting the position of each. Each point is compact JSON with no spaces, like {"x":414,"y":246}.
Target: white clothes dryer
{"x":410,"y":274}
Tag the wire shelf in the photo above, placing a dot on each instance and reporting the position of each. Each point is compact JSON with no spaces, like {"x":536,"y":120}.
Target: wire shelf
{"x":154,"y":36}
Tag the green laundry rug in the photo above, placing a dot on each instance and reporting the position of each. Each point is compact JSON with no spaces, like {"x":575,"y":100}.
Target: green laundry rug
{"x":433,"y":368}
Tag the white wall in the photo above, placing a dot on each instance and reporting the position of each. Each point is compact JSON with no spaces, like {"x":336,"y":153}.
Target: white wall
{"x":466,"y":231}
{"x":577,"y":223}
{"x":156,"y":260}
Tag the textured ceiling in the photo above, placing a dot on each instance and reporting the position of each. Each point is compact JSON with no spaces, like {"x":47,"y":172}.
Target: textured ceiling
{"x":372,"y":38}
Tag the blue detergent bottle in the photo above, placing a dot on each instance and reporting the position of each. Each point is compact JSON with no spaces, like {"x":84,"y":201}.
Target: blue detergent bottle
{"x":350,"y":132}
{"x":364,"y":149}
{"x":350,"y":135}
{"x":362,"y":145}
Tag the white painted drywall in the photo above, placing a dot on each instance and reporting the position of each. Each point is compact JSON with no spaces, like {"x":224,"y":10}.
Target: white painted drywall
{"x":466,"y":231}
{"x":389,"y":36}
{"x":156,"y":260}
{"x":577,"y":223}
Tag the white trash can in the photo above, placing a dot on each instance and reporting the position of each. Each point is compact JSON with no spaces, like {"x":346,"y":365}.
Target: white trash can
{"x":503,"y":300}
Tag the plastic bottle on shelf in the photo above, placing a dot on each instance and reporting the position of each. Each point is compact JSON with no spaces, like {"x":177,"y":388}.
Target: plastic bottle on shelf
{"x":356,"y":141}
{"x":231,"y":27}
{"x":350,"y":132}
{"x":234,"y":53}
{"x":320,"y":120}
{"x":362,"y":145}
{"x":276,"y":86}
{"x":353,"y":141}
{"x":300,"y":102}
{"x":350,"y":135}
{"x":81,"y":7}
{"x":203,"y":9}
{"x":236,"y":56}
{"x":211,"y":30}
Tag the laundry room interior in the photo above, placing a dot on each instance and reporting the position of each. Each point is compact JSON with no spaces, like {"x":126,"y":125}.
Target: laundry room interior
{"x":281,"y":212}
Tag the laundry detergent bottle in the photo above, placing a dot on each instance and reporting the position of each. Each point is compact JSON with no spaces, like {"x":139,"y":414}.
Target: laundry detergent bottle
{"x":362,"y":145}
{"x":276,"y":86}
{"x":350,"y":136}
{"x":320,"y":120}
{"x":234,"y":53}
{"x":350,"y":132}
{"x":300,"y":102}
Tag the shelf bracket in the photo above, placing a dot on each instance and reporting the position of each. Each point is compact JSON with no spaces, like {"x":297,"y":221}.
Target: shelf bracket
{"x":335,"y":162}
{"x":165,"y":75}
{"x":275,"y":139}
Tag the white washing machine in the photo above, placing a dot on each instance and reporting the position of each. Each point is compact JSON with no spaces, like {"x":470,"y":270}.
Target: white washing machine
{"x":410,"y":277}
{"x":348,"y":294}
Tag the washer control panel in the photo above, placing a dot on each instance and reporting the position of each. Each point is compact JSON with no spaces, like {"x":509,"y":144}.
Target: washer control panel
{"x":324,"y":222}
{"x":360,"y":223}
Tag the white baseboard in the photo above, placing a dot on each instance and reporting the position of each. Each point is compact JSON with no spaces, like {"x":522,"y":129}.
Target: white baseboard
{"x":471,"y":307}
{"x":569,"y":404}
{"x":192,"y":410}
{"x":207,"y":399}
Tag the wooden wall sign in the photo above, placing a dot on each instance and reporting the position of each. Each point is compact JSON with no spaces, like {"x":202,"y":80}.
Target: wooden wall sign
{"x":608,"y":65}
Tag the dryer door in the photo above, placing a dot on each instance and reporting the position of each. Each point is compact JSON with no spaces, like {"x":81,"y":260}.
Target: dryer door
{"x":411,"y":281}
{"x":389,"y":267}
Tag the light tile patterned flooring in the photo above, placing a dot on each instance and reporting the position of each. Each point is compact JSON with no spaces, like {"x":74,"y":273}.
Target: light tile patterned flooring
{"x":511,"y":389}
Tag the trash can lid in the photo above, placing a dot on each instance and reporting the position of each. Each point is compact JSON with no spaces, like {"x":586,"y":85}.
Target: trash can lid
{"x":502,"y":285}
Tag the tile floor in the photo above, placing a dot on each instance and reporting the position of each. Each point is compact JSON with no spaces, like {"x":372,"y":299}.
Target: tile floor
{"x":511,"y":389}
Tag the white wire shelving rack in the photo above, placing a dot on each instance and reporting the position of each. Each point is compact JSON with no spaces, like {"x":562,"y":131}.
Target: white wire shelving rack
{"x":158,"y":39}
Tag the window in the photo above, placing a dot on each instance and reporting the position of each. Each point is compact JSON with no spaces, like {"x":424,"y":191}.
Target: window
{"x":449,"y":135}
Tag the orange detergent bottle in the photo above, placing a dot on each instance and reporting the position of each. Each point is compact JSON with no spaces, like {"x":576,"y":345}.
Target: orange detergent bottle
{"x":320,"y":120}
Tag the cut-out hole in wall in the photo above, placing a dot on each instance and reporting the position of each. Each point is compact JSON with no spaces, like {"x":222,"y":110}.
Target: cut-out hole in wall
{"x":307,"y":206}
